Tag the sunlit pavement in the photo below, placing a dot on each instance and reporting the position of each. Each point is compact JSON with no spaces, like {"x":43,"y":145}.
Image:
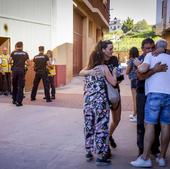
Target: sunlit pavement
{"x":43,"y":135}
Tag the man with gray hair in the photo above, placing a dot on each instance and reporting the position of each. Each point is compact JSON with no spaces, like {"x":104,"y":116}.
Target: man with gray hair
{"x":157,"y":107}
{"x":162,"y":43}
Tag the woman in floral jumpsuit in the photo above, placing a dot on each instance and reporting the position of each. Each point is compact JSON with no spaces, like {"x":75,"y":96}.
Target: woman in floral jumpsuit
{"x":96,"y":106}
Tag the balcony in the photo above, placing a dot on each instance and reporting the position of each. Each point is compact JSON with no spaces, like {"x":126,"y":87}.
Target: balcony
{"x":98,"y":10}
{"x":163,"y":17}
{"x":103,"y":6}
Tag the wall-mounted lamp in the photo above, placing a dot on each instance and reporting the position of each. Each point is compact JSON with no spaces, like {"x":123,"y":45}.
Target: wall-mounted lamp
{"x":6,"y":27}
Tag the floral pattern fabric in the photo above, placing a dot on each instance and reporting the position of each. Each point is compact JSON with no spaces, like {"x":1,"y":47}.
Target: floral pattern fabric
{"x":96,"y":114}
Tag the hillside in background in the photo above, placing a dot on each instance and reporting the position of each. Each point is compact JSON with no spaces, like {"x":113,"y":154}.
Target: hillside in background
{"x":133,"y":35}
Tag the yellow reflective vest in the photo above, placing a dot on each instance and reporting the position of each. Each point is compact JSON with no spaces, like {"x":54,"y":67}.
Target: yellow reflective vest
{"x":51,"y":69}
{"x":5,"y":66}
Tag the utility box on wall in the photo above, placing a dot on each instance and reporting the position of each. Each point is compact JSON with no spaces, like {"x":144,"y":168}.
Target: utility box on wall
{"x":60,"y":78}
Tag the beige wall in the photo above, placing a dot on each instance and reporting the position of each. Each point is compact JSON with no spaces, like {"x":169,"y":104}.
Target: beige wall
{"x":167,"y":37}
{"x":161,"y":21}
{"x":62,"y":22}
{"x":27,"y":21}
{"x":64,"y":51}
{"x":64,"y":56}
{"x":89,"y":42}
{"x":62,"y":34}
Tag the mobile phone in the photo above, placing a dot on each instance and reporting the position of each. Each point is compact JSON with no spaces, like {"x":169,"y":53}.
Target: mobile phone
{"x":120,"y":78}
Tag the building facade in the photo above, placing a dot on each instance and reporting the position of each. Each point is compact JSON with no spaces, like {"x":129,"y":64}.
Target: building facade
{"x":69,"y":28}
{"x":163,"y":19}
{"x":115,"y":24}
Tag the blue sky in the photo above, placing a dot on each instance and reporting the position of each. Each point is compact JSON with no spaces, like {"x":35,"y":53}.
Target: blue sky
{"x":136,"y":9}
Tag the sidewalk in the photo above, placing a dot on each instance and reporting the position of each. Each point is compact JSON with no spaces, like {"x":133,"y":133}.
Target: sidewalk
{"x":43,"y":135}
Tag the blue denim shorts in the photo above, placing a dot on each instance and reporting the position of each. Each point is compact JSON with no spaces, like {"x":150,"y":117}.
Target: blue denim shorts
{"x":157,"y":108}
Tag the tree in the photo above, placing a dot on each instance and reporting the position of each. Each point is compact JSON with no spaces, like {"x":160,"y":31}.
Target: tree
{"x":127,"y":25}
{"x":141,"y":26}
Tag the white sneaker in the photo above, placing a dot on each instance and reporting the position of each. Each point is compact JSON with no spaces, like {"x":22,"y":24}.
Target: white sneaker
{"x":134,"y":119}
{"x":131,"y":116}
{"x":140,"y":162}
{"x":161,"y":161}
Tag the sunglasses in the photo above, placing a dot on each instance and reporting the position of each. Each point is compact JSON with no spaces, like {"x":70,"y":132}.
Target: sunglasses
{"x":150,"y":48}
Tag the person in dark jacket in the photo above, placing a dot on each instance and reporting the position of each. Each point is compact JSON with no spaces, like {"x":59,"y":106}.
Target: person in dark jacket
{"x":18,"y":59}
{"x":41,"y":62}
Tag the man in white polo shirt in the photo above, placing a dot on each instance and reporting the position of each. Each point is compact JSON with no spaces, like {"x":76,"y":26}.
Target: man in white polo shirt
{"x":157,"y":107}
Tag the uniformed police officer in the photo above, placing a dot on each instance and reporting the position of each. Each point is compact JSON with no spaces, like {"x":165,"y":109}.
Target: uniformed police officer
{"x":18,"y":59}
{"x":41,"y":62}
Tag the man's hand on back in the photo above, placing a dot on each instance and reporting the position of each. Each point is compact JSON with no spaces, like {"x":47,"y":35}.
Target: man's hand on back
{"x":158,"y":67}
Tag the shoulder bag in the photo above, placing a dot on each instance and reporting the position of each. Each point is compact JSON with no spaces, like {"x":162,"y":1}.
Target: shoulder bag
{"x":113,"y":94}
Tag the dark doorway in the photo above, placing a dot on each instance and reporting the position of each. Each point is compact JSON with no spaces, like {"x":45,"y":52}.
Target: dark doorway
{"x":4,"y":42}
{"x":77,"y":43}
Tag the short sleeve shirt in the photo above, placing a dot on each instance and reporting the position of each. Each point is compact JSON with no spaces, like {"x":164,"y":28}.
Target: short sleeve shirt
{"x":40,"y":62}
{"x":132,"y":74}
{"x":19,"y":57}
{"x":158,"y":82}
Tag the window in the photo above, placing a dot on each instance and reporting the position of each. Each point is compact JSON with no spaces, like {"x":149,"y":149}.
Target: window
{"x":90,"y":28}
{"x":98,"y":34}
{"x":164,"y":8}
{"x":163,"y":3}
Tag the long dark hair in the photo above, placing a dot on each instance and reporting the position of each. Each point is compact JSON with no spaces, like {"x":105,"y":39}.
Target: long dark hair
{"x":133,"y":52}
{"x":97,"y":56}
{"x":50,"y":53}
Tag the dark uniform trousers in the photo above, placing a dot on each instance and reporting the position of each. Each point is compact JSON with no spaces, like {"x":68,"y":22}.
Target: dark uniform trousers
{"x":18,"y":85}
{"x":140,"y":101}
{"x":1,"y":84}
{"x":38,"y":76}
{"x":6,"y":82}
{"x":51,"y":84}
